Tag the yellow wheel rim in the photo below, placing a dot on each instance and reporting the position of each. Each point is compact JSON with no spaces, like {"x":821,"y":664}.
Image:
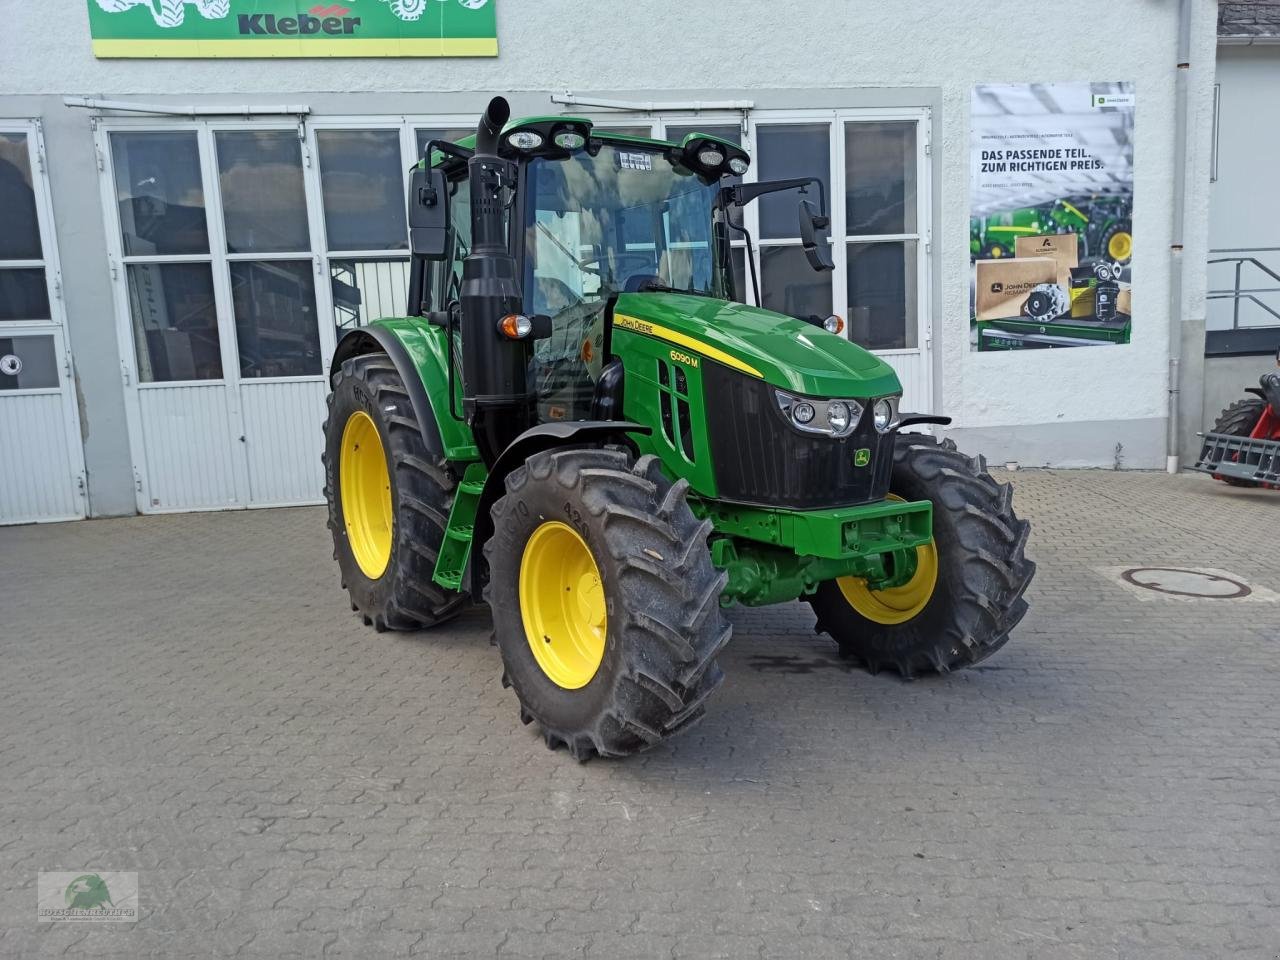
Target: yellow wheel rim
{"x":895,"y":604}
{"x":1120,"y":246}
{"x":562,"y":605}
{"x":366,"y":494}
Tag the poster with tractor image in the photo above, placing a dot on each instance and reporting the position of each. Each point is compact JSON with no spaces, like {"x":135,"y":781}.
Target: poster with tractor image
{"x":1051,"y":215}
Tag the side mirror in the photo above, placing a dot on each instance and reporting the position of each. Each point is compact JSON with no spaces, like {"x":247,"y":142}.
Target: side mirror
{"x":816,"y":251}
{"x":428,"y":214}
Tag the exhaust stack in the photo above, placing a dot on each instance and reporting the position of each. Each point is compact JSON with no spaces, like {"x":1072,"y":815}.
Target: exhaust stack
{"x":495,"y":395}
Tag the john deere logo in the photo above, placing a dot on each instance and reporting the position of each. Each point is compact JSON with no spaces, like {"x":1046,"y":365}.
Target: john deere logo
{"x":88,"y":892}
{"x":861,"y":457}
{"x":997,"y":288}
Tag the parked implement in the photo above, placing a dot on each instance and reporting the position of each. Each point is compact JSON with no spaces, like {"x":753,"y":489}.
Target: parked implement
{"x":577,"y":423}
{"x":1244,"y":447}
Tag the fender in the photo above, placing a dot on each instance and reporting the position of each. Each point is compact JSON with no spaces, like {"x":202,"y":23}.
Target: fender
{"x":544,"y":436}
{"x":420,"y":357}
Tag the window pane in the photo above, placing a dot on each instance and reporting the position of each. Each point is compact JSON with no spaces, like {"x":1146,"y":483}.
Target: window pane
{"x":160,"y":193}
{"x":362,"y":178}
{"x":880,"y":177}
{"x":264,"y":204}
{"x":275,"y":307}
{"x":364,"y":290}
{"x":882,"y":294}
{"x":741,"y":280}
{"x":645,"y":130}
{"x":23,"y":294}
{"x":20,"y":238}
{"x":175,"y":321}
{"x":28,"y":363}
{"x":729,"y":131}
{"x":784,"y":151}
{"x":789,"y":285}
{"x":454,"y":134}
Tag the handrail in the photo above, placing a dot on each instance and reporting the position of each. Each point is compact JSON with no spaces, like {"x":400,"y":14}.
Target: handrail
{"x":1236,"y":293}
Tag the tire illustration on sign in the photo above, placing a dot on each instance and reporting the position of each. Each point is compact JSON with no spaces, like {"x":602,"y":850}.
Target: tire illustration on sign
{"x":170,"y":13}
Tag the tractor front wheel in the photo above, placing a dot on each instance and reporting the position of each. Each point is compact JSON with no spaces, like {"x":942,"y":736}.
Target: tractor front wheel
{"x":606,"y":607}
{"x":389,"y":499}
{"x":966,"y":592}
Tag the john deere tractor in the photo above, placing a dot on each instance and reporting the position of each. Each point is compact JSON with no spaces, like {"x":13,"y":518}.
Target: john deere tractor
{"x":579,"y":425}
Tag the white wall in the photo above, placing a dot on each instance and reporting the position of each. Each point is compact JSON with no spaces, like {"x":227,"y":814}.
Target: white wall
{"x":1245,"y":209}
{"x":1006,"y":403}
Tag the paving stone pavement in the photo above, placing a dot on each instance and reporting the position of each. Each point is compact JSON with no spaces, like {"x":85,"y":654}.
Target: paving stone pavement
{"x":191,"y":698}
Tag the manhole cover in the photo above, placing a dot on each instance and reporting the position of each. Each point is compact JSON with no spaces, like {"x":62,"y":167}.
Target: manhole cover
{"x":1186,"y":583}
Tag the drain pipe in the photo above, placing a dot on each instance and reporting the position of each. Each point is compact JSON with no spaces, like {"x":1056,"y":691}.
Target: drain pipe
{"x":1175,"y":246}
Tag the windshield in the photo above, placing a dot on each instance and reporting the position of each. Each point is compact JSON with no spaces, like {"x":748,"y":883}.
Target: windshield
{"x":623,"y":220}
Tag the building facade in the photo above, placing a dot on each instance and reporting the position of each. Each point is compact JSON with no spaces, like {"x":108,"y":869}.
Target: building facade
{"x":185,"y":239}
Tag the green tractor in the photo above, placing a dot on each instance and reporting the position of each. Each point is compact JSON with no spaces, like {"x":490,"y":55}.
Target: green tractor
{"x":579,"y":425}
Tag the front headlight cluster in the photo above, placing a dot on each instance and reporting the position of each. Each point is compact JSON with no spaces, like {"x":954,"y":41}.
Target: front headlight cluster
{"x":835,"y":418}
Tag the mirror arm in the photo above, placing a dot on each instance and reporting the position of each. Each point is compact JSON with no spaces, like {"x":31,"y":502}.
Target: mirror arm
{"x":751,"y":256}
{"x":740,"y":194}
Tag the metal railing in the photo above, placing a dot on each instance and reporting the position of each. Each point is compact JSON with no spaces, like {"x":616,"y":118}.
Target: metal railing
{"x":1242,"y":258}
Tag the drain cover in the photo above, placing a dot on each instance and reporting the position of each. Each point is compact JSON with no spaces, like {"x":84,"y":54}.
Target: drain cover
{"x":1186,"y":583}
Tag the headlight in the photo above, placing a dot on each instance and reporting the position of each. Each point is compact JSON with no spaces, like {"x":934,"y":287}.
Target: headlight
{"x":833,"y":324}
{"x":569,"y":140}
{"x":838,"y":415}
{"x":831,"y":418}
{"x":738,"y":165}
{"x":886,"y":414}
{"x":710,"y":157}
{"x":525,"y":140}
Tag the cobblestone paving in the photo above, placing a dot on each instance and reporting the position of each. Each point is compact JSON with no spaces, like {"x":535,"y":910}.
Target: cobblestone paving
{"x":190,"y":697}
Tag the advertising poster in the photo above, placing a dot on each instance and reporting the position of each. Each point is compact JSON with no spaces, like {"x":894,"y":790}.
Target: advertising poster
{"x":1051,"y":215}
{"x":293,"y":28}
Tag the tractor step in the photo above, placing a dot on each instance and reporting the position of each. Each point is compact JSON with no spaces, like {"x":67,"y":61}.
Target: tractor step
{"x":455,"y":547}
{"x":1240,"y":458}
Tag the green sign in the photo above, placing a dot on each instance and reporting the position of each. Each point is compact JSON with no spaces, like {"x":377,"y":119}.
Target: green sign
{"x":293,"y":28}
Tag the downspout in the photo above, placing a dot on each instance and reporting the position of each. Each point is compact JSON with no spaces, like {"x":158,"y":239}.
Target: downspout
{"x":1176,"y":318}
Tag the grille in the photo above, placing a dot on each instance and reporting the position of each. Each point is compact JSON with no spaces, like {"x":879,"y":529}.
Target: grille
{"x":759,"y":458}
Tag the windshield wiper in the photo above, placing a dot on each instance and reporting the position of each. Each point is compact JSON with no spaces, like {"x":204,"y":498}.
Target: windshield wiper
{"x":657,"y":286}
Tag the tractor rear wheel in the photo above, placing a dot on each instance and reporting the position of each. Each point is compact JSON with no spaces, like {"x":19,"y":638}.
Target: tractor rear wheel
{"x":966,"y":593}
{"x":1238,"y":420}
{"x":606,"y":607}
{"x":389,"y":499}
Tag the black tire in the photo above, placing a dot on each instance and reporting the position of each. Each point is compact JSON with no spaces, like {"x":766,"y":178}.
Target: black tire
{"x":982,"y":569}
{"x":404,"y":597}
{"x":1104,"y":245}
{"x":662,"y":596}
{"x":1238,"y":420}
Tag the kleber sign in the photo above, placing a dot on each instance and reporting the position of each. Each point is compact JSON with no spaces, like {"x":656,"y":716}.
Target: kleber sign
{"x":293,"y":28}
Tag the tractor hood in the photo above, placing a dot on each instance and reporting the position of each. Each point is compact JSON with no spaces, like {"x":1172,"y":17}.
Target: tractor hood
{"x":784,"y":351}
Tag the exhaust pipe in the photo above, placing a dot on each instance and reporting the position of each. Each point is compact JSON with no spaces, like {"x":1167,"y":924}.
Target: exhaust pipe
{"x":492,"y":121}
{"x":495,"y":398}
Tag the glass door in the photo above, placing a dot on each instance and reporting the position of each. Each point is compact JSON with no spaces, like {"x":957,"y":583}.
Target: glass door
{"x":264,"y":239}
{"x":41,"y":457}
